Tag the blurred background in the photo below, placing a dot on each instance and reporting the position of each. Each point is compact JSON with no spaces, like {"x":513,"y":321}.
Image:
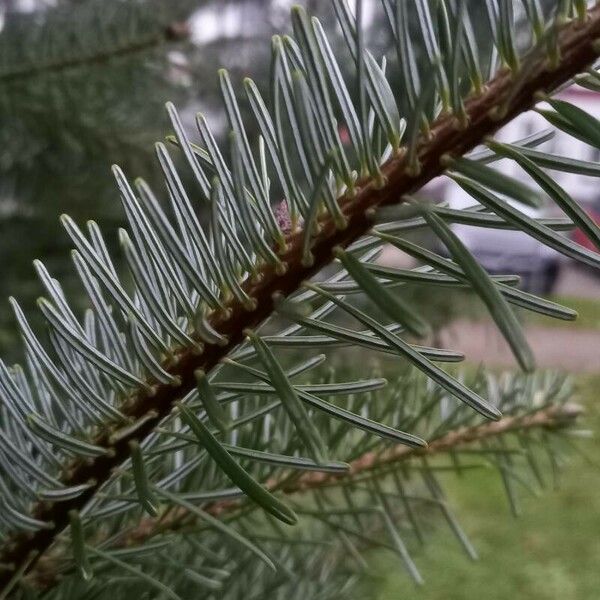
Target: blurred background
{"x":83,"y":85}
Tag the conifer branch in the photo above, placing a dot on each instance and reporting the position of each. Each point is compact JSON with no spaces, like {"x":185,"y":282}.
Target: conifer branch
{"x":551,"y":417}
{"x":507,"y":95}
{"x":548,"y":418}
{"x":177,"y":31}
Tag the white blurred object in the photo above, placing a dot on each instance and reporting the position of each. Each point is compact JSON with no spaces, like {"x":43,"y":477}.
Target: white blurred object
{"x":502,"y":251}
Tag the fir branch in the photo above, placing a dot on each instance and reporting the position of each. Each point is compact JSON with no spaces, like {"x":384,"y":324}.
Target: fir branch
{"x":507,"y":95}
{"x":177,"y":31}
{"x":551,"y":417}
{"x":252,"y":302}
{"x":548,"y":418}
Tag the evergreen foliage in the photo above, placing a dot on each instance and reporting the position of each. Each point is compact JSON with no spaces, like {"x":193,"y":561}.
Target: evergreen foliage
{"x":164,"y":443}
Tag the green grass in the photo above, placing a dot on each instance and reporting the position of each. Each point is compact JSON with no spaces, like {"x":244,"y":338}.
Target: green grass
{"x":440,"y":309}
{"x":588,"y":310}
{"x":551,"y":552}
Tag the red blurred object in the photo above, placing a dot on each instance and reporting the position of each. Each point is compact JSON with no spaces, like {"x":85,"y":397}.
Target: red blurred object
{"x":344,"y":134}
{"x":580,"y":238}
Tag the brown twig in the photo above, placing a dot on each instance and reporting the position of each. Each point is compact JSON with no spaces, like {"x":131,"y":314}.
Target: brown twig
{"x":547,"y":418}
{"x":501,"y":101}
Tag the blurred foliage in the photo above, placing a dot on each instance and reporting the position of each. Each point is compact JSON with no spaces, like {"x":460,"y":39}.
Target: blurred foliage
{"x":588,"y":311}
{"x":83,"y":86}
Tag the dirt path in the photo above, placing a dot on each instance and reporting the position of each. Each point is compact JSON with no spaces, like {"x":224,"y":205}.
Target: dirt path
{"x":565,"y":349}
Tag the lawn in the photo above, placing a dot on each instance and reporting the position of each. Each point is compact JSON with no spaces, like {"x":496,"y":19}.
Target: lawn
{"x":458,"y":303}
{"x":551,"y":552}
{"x":588,"y":313}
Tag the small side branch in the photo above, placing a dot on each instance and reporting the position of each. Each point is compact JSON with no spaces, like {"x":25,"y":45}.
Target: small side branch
{"x":548,"y":418}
